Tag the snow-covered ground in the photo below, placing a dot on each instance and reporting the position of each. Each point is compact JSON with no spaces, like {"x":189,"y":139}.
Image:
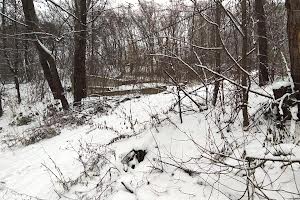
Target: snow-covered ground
{"x":202,"y":158}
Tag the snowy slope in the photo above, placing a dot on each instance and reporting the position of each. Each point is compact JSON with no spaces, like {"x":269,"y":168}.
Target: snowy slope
{"x":179,"y":163}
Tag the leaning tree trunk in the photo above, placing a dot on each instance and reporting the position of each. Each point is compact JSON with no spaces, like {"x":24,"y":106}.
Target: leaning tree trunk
{"x":293,"y":29}
{"x":244,"y":64}
{"x":262,"y":42}
{"x":80,"y":37}
{"x":47,"y":60}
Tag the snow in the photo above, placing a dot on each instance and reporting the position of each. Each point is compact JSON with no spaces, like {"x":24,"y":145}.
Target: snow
{"x":151,"y":123}
{"x":286,"y":95}
{"x":293,"y":130}
{"x":137,"y":86}
{"x":46,"y":50}
{"x":279,"y":84}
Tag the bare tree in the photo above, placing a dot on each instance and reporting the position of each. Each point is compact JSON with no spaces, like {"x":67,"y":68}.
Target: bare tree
{"x":16,"y":62}
{"x":245,"y":63}
{"x":293,"y":30}
{"x":1,"y":108}
{"x":262,"y":42}
{"x":217,"y":53}
{"x":80,"y":37}
{"x":12,"y":67}
{"x":47,"y":60}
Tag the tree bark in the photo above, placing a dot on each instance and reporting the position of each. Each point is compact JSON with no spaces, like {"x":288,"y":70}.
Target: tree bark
{"x":28,"y":71}
{"x":80,"y":37}
{"x":217,"y":53}
{"x":244,"y":64}
{"x":13,"y":69}
{"x":293,"y":30}
{"x":46,"y":58}
{"x":1,"y":109}
{"x":262,"y":42}
{"x":16,"y":63}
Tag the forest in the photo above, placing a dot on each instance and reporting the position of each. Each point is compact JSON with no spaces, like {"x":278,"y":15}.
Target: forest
{"x":149,"y":99}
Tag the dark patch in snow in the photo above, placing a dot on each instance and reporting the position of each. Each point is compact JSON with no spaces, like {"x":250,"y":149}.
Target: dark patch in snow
{"x":133,"y":158}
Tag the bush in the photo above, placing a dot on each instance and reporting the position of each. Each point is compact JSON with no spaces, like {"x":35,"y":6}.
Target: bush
{"x":23,"y":120}
{"x":30,"y":136}
{"x":38,"y":134}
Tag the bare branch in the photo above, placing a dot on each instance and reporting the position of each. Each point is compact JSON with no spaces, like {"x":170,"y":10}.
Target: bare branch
{"x":11,"y":19}
{"x":234,"y":83}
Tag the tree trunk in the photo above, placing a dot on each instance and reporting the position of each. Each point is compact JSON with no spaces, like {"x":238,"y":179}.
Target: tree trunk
{"x":244,"y":64}
{"x":46,"y":58}
{"x":93,"y":39}
{"x":16,"y":64}
{"x":262,"y":42}
{"x":80,"y":37}
{"x":217,"y":53}
{"x":1,"y":109}
{"x":17,"y":85}
{"x":293,"y":29}
{"x":28,"y":71}
{"x":13,"y":69}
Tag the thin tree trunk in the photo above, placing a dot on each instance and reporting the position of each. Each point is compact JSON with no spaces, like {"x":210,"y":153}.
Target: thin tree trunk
{"x":262,"y":42}
{"x":217,"y":53}
{"x":238,"y":71}
{"x":28,"y":72}
{"x":80,"y":37}
{"x":17,"y":85}
{"x":46,"y":58}
{"x":244,"y":64}
{"x":1,"y":109}
{"x":13,"y":70}
{"x":3,"y":25}
{"x":93,"y":39}
{"x":16,"y":67}
{"x":293,"y":29}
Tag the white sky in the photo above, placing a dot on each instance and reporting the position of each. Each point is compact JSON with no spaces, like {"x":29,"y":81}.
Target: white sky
{"x":40,"y":4}
{"x":118,"y":2}
{"x":162,"y":2}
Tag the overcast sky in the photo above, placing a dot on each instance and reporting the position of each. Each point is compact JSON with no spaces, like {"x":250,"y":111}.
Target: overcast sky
{"x":40,"y":4}
{"x":118,"y":2}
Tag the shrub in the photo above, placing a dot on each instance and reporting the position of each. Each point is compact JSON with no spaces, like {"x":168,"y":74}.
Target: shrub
{"x":23,"y":120}
{"x":38,"y":134}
